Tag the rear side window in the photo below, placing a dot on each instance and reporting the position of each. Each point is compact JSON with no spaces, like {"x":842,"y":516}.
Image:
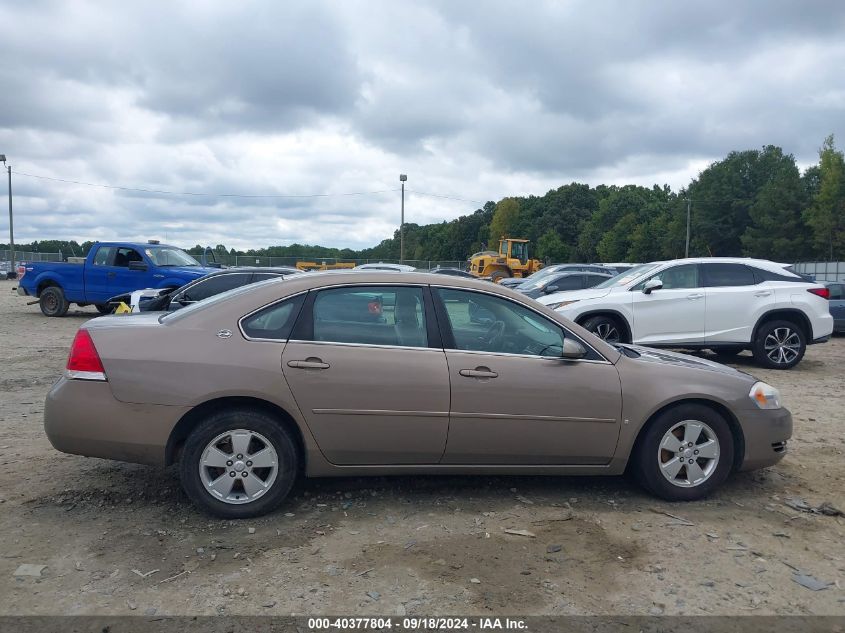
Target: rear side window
{"x":206,"y":288}
{"x":274,"y":322}
{"x":103,"y":255}
{"x":722,"y":275}
{"x":767,"y":275}
{"x":377,"y":315}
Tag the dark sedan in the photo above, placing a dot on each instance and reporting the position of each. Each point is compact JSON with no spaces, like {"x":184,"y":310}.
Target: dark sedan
{"x":836,"y":304}
{"x":560,"y":282}
{"x":514,"y":282}
{"x":203,"y":288}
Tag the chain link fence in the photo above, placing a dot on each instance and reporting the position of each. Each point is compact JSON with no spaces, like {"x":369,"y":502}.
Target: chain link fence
{"x":822,"y":271}
{"x":30,"y":256}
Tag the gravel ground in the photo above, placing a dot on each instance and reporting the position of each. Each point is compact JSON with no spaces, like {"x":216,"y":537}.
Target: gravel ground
{"x":123,"y":539}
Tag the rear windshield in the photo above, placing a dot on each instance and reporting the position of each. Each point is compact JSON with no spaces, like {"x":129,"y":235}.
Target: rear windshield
{"x":216,"y":299}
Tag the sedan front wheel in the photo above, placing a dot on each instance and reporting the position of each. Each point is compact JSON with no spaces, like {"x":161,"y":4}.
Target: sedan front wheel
{"x":238,"y":463}
{"x":684,"y":453}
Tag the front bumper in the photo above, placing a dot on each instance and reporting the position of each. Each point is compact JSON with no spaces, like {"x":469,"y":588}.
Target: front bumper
{"x":22,"y":291}
{"x":82,"y":417}
{"x":766,"y":433}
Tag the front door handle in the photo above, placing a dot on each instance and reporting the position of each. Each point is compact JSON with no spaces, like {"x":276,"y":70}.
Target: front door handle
{"x":308,"y":363}
{"x":695,"y":295}
{"x":763,"y":293}
{"x":479,"y":372}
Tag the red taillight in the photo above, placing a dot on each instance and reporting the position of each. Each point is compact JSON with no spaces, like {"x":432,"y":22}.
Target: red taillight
{"x":824,"y":293}
{"x":84,"y":361}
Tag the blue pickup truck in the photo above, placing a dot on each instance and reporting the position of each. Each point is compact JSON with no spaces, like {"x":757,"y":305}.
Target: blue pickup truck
{"x":111,"y":268}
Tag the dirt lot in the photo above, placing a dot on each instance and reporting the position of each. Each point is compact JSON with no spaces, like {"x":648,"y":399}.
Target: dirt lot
{"x":411,"y":545}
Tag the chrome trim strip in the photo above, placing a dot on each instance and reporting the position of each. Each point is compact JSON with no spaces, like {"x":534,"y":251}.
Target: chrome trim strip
{"x":417,"y":349}
{"x":532,"y":356}
{"x":380,"y":412}
{"x":541,"y":418}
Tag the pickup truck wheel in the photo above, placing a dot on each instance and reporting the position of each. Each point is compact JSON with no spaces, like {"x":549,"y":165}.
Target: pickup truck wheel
{"x":52,"y":302}
{"x":779,"y":345}
{"x":238,"y":463}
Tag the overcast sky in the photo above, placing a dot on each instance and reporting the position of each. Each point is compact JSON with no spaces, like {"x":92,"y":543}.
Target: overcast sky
{"x":472,"y":99}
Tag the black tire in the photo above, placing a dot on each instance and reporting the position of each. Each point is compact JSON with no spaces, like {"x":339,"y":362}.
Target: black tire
{"x":104,"y":308}
{"x":52,"y":302}
{"x":729,"y":350}
{"x":498,"y":275}
{"x":646,"y":456}
{"x":772,"y":332}
{"x":604,"y":327}
{"x":253,"y":420}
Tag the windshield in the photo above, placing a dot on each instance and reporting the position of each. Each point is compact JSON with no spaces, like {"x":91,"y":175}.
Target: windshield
{"x":623,"y":279}
{"x":168,"y":256}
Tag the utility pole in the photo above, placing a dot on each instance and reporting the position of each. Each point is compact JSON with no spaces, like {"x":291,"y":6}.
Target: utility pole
{"x":12,"y":271}
{"x":689,"y":204}
{"x":402,"y":179}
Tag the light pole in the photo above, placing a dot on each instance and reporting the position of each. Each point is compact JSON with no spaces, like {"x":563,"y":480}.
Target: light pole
{"x":402,"y":179}
{"x":689,"y":203}
{"x":11,"y":225}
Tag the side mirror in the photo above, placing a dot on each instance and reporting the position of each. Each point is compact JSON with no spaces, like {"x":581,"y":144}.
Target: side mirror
{"x":572,"y":349}
{"x":550,"y":289}
{"x":139,"y":266}
{"x":651,"y":285}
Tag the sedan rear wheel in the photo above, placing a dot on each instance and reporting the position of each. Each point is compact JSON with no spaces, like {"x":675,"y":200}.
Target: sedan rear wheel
{"x":684,"y":453}
{"x":238,"y":463}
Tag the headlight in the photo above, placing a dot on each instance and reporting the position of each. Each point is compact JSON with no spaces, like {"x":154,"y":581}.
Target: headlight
{"x":765,"y":396}
{"x":560,"y":304}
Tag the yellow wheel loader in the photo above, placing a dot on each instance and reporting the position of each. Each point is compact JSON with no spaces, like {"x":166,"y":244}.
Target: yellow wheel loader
{"x":510,"y":261}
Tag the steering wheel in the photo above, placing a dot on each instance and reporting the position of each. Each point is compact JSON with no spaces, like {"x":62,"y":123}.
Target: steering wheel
{"x":492,"y":338}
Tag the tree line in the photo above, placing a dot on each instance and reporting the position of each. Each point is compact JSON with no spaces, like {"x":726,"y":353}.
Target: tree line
{"x":754,"y":203}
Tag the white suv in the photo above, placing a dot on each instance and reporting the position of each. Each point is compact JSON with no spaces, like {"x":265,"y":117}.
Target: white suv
{"x":723,"y":304}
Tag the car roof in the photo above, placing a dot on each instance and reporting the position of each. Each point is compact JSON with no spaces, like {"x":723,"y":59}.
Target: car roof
{"x":281,"y":270}
{"x":750,"y":261}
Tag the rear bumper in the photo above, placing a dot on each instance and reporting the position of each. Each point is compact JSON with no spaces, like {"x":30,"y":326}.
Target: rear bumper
{"x":83,"y":418}
{"x":766,"y":433}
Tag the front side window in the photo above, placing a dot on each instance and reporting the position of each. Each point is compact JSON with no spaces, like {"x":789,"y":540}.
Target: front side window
{"x":720,"y":275}
{"x":206,"y":288}
{"x":371,"y":315}
{"x":103,"y":255}
{"x":676,"y":277}
{"x":484,"y":323}
{"x":124,"y":256}
{"x":274,"y":322}
{"x":566,"y":282}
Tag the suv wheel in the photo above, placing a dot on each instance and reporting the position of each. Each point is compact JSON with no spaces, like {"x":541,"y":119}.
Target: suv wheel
{"x":52,"y":302}
{"x":606,"y":328}
{"x":238,"y":463}
{"x":779,"y":345}
{"x":685,"y":453}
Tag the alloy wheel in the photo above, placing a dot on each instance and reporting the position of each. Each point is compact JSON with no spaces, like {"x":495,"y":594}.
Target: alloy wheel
{"x":238,"y":466}
{"x":782,"y":345}
{"x":688,"y":453}
{"x":608,"y":331}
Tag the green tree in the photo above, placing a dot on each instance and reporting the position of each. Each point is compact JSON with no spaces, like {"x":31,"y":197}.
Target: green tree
{"x":826,"y":215}
{"x":504,"y":222}
{"x":551,"y":249}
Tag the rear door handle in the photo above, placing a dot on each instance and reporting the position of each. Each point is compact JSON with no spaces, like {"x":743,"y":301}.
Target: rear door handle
{"x":310,"y":363}
{"x":695,"y":295}
{"x":478,"y":372}
{"x":763,"y":293}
